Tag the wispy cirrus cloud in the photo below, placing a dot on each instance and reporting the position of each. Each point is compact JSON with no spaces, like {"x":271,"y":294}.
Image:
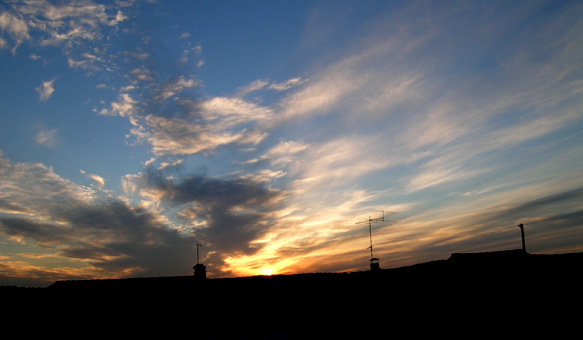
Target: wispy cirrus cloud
{"x":67,"y":24}
{"x":265,"y":84}
{"x":288,"y":84}
{"x":254,"y":86}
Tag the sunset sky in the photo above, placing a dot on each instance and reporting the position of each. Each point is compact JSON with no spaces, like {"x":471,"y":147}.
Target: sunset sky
{"x":265,"y":131}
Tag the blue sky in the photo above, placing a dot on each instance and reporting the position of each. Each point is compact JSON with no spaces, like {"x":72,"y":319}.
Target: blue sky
{"x":130,"y":131}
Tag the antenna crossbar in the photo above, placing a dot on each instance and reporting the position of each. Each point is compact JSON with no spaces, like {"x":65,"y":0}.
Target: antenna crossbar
{"x":370,"y":222}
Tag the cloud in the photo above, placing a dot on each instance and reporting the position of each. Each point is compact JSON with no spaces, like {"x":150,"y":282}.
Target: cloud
{"x":265,"y":175}
{"x":234,"y":111}
{"x":282,"y":153}
{"x":124,"y":107}
{"x":149,"y":162}
{"x":75,"y":223}
{"x":118,"y":18}
{"x":66,"y":24}
{"x":333,"y":85}
{"x":142,"y":74}
{"x":432,"y":174}
{"x":87,"y":64}
{"x":286,"y":148}
{"x":336,"y":162}
{"x":165,"y":165}
{"x":254,"y":86}
{"x":172,"y":88}
{"x":138,"y":56}
{"x":47,"y":138}
{"x":233,"y":212}
{"x":127,"y":88}
{"x":262,"y":84}
{"x":13,"y":208}
{"x":179,"y":137}
{"x":46,"y":90}
{"x":23,"y":273}
{"x":287,"y":84}
{"x":221,"y":124}
{"x":15,"y":27}
{"x":99,"y":181}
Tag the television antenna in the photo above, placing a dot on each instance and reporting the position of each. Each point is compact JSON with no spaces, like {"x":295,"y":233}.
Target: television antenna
{"x":370,"y":222}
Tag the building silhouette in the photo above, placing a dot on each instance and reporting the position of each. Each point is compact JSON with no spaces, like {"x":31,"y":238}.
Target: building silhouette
{"x":199,"y":271}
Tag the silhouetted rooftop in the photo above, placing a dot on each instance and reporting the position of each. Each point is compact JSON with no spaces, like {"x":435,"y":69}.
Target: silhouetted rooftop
{"x":493,"y":291}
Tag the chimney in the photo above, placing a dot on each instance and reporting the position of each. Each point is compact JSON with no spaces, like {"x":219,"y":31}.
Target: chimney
{"x":199,"y":271}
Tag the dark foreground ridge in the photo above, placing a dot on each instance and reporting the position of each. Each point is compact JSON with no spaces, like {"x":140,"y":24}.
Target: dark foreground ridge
{"x":510,"y":292}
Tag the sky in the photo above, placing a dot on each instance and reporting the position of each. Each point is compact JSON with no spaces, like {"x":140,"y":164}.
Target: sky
{"x":269,"y":132}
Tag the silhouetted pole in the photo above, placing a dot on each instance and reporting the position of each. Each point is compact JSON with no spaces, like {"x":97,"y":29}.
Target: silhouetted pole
{"x":197,"y":259}
{"x":370,"y":235}
{"x":521,"y":226}
{"x":199,"y":268}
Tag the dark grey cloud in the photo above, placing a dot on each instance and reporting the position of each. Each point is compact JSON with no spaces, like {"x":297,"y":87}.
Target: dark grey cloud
{"x":541,"y":206}
{"x":114,"y":237}
{"x":44,"y":234}
{"x":10,"y":207}
{"x":236,"y":210}
{"x":222,"y":193}
{"x":78,"y":223}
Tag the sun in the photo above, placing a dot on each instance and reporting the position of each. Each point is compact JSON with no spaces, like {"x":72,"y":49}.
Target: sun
{"x":267,"y":271}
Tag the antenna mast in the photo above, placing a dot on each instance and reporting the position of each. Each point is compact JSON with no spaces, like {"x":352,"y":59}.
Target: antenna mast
{"x":199,"y":268}
{"x":373,"y":265}
{"x":197,"y":258}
